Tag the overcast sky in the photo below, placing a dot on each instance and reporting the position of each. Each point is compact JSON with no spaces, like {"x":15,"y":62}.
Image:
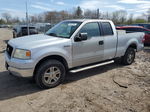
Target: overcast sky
{"x":17,"y":7}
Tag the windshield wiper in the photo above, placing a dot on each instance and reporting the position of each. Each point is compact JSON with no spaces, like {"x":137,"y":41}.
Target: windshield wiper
{"x":52,"y":34}
{"x":55,"y":35}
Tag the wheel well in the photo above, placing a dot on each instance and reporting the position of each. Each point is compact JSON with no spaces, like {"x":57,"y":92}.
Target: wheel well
{"x":56,"y":57}
{"x":133,"y":46}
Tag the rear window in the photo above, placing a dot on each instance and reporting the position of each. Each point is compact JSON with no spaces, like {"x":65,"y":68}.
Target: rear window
{"x":32,"y":30}
{"x":107,"y":29}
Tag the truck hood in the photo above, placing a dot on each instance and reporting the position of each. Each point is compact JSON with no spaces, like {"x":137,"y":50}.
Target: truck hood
{"x":29,"y":42}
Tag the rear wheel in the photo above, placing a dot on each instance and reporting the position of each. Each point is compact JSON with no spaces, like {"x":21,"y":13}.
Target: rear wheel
{"x":129,"y":56}
{"x":50,"y":74}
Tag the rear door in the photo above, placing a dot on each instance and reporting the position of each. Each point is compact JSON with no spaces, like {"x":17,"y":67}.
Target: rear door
{"x":90,"y":50}
{"x":110,"y":40}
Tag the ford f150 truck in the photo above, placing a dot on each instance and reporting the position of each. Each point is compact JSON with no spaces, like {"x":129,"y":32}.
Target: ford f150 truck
{"x":69,"y":45}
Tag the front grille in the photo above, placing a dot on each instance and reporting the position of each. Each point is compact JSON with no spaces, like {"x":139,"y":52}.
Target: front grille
{"x":9,"y":50}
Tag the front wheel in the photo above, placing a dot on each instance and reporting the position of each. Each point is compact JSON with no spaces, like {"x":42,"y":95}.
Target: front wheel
{"x":129,"y":56}
{"x":50,"y":74}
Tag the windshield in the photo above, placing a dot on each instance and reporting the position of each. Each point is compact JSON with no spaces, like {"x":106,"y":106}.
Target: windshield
{"x":64,"y":29}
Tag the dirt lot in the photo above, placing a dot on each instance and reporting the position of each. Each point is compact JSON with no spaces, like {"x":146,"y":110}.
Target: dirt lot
{"x":110,"y":88}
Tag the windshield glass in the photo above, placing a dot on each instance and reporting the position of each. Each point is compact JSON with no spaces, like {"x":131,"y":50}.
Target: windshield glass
{"x":64,"y":29}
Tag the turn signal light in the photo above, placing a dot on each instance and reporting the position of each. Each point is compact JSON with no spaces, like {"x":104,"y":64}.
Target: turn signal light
{"x":28,"y":53}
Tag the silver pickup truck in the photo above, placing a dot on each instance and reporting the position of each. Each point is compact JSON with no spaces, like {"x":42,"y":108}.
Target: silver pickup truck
{"x":69,"y":45}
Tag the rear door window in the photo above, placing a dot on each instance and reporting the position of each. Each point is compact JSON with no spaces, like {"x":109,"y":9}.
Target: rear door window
{"x":107,"y":29}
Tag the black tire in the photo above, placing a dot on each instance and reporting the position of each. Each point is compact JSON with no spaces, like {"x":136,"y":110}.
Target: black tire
{"x":40,"y":76}
{"x":129,"y":56}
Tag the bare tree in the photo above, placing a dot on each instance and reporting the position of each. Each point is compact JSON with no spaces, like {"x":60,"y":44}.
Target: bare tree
{"x":64,"y":15}
{"x":15,"y":20}
{"x":56,"y":16}
{"x":90,"y":14}
{"x":32,"y":19}
{"x":2,"y":21}
{"x":106,"y":15}
{"x":53,"y":17}
{"x":123,"y":16}
{"x":41,"y":17}
{"x":119,"y":17}
{"x":130,"y":20}
{"x":148,"y":15}
{"x":7,"y":17}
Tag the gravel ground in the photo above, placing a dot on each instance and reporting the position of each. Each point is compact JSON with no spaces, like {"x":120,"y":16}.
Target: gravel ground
{"x":110,"y":88}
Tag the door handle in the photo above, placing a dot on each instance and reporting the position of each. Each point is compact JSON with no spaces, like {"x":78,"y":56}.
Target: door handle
{"x":101,"y":42}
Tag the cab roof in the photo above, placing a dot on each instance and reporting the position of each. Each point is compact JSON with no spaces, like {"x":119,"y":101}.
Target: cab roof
{"x":84,"y":20}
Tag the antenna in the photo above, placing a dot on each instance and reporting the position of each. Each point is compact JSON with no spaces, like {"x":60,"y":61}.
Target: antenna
{"x":27,"y":18}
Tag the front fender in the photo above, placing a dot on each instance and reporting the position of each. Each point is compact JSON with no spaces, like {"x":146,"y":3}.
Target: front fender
{"x":66,"y":54}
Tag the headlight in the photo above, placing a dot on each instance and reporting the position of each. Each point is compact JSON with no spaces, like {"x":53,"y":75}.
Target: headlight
{"x":22,"y":54}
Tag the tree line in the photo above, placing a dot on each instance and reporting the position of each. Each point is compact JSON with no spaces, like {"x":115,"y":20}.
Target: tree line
{"x":118,"y":17}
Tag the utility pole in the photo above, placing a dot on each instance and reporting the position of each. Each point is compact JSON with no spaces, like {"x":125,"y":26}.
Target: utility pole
{"x":27,"y":17}
{"x":97,"y":13}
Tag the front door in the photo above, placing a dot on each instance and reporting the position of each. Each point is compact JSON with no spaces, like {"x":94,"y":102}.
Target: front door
{"x":90,"y":50}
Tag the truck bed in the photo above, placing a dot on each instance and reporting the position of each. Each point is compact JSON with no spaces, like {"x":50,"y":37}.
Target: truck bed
{"x":125,"y":38}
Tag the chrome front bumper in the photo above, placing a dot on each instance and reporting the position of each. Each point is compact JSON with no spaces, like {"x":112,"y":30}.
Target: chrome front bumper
{"x":21,"y":72}
{"x":17,"y":68}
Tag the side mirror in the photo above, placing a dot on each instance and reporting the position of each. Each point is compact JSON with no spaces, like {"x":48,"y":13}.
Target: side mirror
{"x":81,"y":37}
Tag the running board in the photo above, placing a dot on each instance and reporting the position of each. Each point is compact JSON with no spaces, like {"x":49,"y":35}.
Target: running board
{"x":92,"y":66}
